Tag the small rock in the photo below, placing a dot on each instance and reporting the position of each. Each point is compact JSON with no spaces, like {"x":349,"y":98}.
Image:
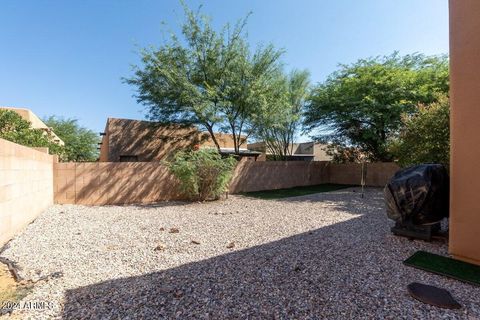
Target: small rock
{"x":231,"y":245}
{"x":165,"y":289}
{"x":195,"y":242}
{"x":162,"y":229}
{"x":57,"y":274}
{"x":160,"y":247}
{"x":174,"y":230}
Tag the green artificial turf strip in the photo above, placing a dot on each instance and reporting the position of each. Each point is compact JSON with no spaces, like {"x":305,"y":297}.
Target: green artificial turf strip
{"x":448,"y":267}
{"x":296,"y":191}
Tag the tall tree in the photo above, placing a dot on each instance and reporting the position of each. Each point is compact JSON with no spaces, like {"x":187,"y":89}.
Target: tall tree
{"x":209,"y":79}
{"x":277,"y":124}
{"x":361,"y":105}
{"x":80,"y":143}
{"x":249,"y":83}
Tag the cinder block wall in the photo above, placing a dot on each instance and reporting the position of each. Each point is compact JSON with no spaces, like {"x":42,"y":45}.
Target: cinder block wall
{"x":147,"y":182}
{"x":26,"y":187}
{"x":267,"y":175}
{"x":100,"y":183}
{"x":377,"y":175}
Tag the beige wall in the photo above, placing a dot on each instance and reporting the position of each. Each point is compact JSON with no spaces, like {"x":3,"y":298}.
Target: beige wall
{"x":146,"y":182}
{"x":113,"y":183}
{"x":377,"y":174}
{"x":26,"y":187}
{"x":266,"y":175}
{"x":315,"y":149}
{"x":105,"y":145}
{"x":146,"y":140}
{"x":150,"y":141}
{"x":224,"y":140}
{"x":465,"y":129}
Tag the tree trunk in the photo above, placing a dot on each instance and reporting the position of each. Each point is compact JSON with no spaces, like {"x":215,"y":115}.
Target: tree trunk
{"x":212,"y":135}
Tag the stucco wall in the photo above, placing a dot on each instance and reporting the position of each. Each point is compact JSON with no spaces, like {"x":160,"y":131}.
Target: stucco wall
{"x":150,"y":141}
{"x":146,"y":182}
{"x":35,"y":121}
{"x":465,"y":129}
{"x":26,"y":187}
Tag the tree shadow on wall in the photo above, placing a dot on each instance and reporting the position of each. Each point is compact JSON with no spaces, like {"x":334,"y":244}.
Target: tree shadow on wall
{"x":316,"y":274}
{"x":123,"y":183}
{"x":150,"y":141}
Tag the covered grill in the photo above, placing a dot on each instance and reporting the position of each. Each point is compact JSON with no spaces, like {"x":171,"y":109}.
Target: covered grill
{"x":417,"y":199}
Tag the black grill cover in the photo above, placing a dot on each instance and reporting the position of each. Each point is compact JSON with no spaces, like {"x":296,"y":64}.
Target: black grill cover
{"x":418,"y":194}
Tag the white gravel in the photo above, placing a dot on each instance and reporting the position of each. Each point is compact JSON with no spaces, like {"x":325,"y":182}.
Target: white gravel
{"x":323,"y":256}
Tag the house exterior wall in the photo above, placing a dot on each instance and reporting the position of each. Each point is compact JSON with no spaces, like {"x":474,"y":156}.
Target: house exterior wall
{"x":28,"y":115}
{"x":316,"y":150}
{"x":145,"y":140}
{"x":105,"y":145}
{"x":149,"y":141}
{"x":224,"y":140}
{"x":464,"y":241}
{"x":26,"y":187}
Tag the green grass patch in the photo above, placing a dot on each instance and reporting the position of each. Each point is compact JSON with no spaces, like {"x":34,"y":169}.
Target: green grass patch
{"x":296,"y":191}
{"x":444,"y":266}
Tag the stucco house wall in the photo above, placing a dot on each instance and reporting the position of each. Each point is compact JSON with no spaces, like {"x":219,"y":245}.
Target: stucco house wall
{"x":148,"y":141}
{"x":465,"y":129}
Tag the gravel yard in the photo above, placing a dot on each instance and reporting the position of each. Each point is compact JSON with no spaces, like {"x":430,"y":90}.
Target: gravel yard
{"x":320,"y":256}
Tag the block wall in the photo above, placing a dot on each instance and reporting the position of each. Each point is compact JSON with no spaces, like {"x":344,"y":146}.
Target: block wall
{"x":146,"y":182}
{"x":26,"y":187}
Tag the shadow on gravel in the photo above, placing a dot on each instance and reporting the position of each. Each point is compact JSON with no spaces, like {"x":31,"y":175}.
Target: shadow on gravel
{"x":356,"y":198}
{"x":317,"y":274}
{"x":296,"y":277}
{"x":288,"y":278}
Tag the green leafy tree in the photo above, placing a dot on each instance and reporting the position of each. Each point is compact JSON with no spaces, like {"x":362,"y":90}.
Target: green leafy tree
{"x":203,"y":174}
{"x":278,"y":122}
{"x":210,"y":79}
{"x":16,"y":129}
{"x":80,"y":143}
{"x":249,"y":83}
{"x":425,"y":137}
{"x":361,"y":105}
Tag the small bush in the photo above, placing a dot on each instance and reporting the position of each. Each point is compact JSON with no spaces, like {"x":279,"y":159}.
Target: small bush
{"x":203,"y":174}
{"x":426,"y":136}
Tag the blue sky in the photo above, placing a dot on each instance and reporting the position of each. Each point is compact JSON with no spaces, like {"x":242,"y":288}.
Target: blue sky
{"x":67,"y":58}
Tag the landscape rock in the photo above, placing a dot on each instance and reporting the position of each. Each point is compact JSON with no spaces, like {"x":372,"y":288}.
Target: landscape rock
{"x":349,"y":267}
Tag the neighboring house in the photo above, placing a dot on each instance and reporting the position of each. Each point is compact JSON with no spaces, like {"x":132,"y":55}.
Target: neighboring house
{"x":28,"y":115}
{"x":305,"y":151}
{"x":126,"y":140}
